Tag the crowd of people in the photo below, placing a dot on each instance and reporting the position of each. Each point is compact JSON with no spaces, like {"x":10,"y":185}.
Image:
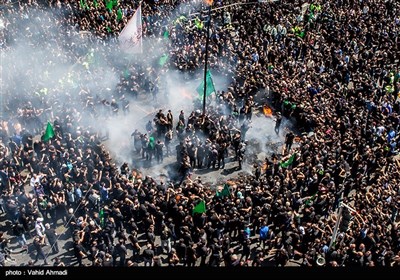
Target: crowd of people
{"x":330,"y":66}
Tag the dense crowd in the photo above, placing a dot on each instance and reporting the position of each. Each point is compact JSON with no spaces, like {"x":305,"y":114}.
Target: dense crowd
{"x":330,"y":66}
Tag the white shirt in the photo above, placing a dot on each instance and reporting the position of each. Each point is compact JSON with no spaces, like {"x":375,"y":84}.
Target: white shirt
{"x":35,"y":179}
{"x":39,"y":229}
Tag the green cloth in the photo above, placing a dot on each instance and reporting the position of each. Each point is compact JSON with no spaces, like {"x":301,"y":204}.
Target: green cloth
{"x":152,"y":143}
{"x":287,"y":163}
{"x":308,"y":201}
{"x":200,"y":207}
{"x":119,"y":14}
{"x":83,"y":4}
{"x":110,"y":4}
{"x":198,"y":23}
{"x":49,"y":133}
{"x":166,"y":34}
{"x":163,"y":59}
{"x":95,"y":3}
{"x":209,"y":86}
{"x":224,"y":192}
{"x":179,"y":19}
{"x":301,"y":34}
{"x":101,"y":216}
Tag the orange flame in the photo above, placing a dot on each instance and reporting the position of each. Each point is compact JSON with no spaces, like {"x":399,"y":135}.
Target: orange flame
{"x":209,"y":2}
{"x":264,"y":166}
{"x":267,"y":111}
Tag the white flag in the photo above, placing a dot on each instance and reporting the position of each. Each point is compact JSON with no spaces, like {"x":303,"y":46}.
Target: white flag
{"x":130,"y":37}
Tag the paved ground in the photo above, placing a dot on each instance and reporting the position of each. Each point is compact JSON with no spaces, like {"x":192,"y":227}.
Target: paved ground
{"x":212,"y":177}
{"x":262,"y":128}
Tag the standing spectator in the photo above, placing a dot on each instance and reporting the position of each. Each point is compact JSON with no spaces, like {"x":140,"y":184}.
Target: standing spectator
{"x":52,"y":237}
{"x":278,"y":122}
{"x":37,"y":244}
{"x":19,"y":232}
{"x":148,"y":255}
{"x":40,"y":229}
{"x":289,"y":141}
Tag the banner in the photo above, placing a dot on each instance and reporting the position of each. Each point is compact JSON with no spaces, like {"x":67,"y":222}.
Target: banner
{"x":209,"y":86}
{"x":130,"y":37}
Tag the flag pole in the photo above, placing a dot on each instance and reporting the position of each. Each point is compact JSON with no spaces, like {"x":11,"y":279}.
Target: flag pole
{"x":206,"y":59}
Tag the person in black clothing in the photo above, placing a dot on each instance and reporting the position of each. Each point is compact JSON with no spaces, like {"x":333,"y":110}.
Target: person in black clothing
{"x":148,"y":255}
{"x":79,"y":251}
{"x":191,"y":256}
{"x":37,"y":243}
{"x":159,"y":151}
{"x":215,"y":257}
{"x":135,"y":244}
{"x":278,"y":122}
{"x":202,"y":252}
{"x":167,"y":141}
{"x":52,"y":238}
{"x":289,"y":141}
{"x":121,"y":252}
{"x":19,"y":232}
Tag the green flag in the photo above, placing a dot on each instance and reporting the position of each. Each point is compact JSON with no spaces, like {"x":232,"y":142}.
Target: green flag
{"x":49,"y":133}
{"x":198,"y":23}
{"x":224,"y":192}
{"x":101,"y":216}
{"x":287,"y":163}
{"x":119,"y":14}
{"x":308,"y":201}
{"x":83,"y":4}
{"x":200,"y":207}
{"x":209,"y":86}
{"x":163,"y":59}
{"x":152,"y":143}
{"x":179,"y":19}
{"x":110,"y":4}
{"x":166,"y":34}
{"x":301,"y":34}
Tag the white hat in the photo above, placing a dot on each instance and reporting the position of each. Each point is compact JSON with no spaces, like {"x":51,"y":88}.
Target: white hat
{"x":39,"y":219}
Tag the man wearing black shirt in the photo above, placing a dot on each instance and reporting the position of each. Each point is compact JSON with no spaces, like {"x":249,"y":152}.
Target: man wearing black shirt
{"x":39,"y":251}
{"x":148,"y":255}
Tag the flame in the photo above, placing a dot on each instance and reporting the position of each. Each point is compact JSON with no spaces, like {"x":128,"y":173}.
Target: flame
{"x":209,"y":2}
{"x":264,"y":166}
{"x":267,"y":111}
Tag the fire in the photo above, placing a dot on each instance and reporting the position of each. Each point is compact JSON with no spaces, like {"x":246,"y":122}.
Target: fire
{"x":209,"y":2}
{"x":267,"y":111}
{"x":264,"y":166}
